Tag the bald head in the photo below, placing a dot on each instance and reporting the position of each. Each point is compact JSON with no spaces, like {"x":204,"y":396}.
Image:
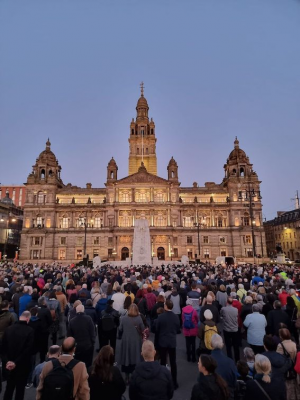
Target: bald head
{"x":209,"y":299}
{"x":68,"y":345}
{"x":148,"y":351}
{"x":25,"y":316}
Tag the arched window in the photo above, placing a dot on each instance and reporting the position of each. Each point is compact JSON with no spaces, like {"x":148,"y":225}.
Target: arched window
{"x":137,"y":151}
{"x":242,"y":172}
{"x":246,"y":220}
{"x":132,"y":131}
{"x":152,"y":131}
{"x":50,"y":173}
{"x":43,"y":174}
{"x":40,"y":197}
{"x":172,"y":174}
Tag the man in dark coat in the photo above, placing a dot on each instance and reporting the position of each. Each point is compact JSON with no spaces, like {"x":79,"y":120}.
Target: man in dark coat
{"x":44,"y":315}
{"x":106,"y":335}
{"x":280,"y":364}
{"x":150,"y":380}
{"x":275,"y":317}
{"x":167,"y":328}
{"x":82,"y":329}
{"x":17,"y":343}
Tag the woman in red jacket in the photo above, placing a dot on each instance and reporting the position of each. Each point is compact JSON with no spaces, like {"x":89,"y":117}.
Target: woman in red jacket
{"x":190,"y":330}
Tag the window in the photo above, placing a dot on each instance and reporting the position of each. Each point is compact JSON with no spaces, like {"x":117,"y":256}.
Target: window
{"x":159,"y":198}
{"x":175,"y":241}
{"x":110,"y":241}
{"x":79,"y":254}
{"x":39,"y":222}
{"x":205,"y":239}
{"x":189,"y":239}
{"x":175,"y":251}
{"x":37,"y":241}
{"x":222,"y":239}
{"x":20,"y":197}
{"x":63,"y":240}
{"x":187,"y":222}
{"x":79,"y":241}
{"x":220,"y":222}
{"x":125,"y":198}
{"x":98,"y":222}
{"x":35,"y":254}
{"x":190,"y":254}
{"x":96,"y":240}
{"x":109,"y":252}
{"x":81,"y":222}
{"x":110,"y":222}
{"x":248,"y":239}
{"x":62,"y":254}
{"x":223,"y":252}
{"x":141,"y":197}
{"x":248,"y":252}
{"x":245,"y":221}
{"x":160,"y":220}
{"x":174,"y":223}
{"x":206,"y":253}
{"x":40,"y":198}
{"x":96,"y":253}
{"x":65,"y":222}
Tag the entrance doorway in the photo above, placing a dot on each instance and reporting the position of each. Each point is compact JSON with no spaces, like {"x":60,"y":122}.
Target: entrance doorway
{"x":124,"y":253}
{"x":161,"y":253}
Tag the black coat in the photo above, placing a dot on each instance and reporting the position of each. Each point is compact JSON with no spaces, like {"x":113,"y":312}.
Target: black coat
{"x":141,"y":302}
{"x":207,"y":389}
{"x":36,"y":325}
{"x":44,"y":315}
{"x":91,"y":311}
{"x":151,"y":381}
{"x":276,"y":390}
{"x":82,"y":329}
{"x":275,"y":317}
{"x":167,"y":327}
{"x":213,"y":309}
{"x":107,"y":391}
{"x":17,"y":344}
{"x":156,"y":306}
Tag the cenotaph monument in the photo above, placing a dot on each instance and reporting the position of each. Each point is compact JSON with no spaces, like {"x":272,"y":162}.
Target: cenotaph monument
{"x":141,"y":253}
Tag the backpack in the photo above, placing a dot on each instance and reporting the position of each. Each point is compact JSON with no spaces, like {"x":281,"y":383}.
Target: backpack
{"x":188,"y":323}
{"x":107,"y":322}
{"x":59,"y":383}
{"x":209,"y":331}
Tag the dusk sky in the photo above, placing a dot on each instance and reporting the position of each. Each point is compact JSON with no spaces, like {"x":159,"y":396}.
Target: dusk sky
{"x":213,"y":69}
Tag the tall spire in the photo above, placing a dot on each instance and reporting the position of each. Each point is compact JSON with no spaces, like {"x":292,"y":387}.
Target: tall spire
{"x":142,"y":89}
{"x":48,"y":144}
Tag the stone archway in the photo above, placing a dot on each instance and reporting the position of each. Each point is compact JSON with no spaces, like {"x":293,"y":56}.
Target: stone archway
{"x":124,"y":253}
{"x":161,"y":253}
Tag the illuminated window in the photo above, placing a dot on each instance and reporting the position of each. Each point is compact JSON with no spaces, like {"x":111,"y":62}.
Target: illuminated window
{"x":206,"y":253}
{"x":63,"y":240}
{"x":79,"y":254}
{"x":40,"y":198}
{"x":62,"y":254}
{"x":96,"y":240}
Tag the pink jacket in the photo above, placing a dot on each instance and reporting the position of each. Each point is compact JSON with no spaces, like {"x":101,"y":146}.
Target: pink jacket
{"x":192,"y":331}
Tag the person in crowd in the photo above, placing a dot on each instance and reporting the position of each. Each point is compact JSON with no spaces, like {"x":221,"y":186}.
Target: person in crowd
{"x":130,"y":329}
{"x":279,"y":363}
{"x":256,"y":329}
{"x":250,"y":359}
{"x":175,"y":298}
{"x":210,"y":306}
{"x":95,"y":295}
{"x":81,"y":388}
{"x":61,"y":297}
{"x":264,"y":386}
{"x":91,"y":311}
{"x":54,"y":352}
{"x":25,"y":299}
{"x":16,"y":298}
{"x":84,"y":294}
{"x":118,"y":299}
{"x":246,"y":308}
{"x":194,"y":295}
{"x":229,"y":315}
{"x":167,"y":328}
{"x":108,"y":325}
{"x":36,"y":324}
{"x":190,"y":330}
{"x":105,"y":380}
{"x":160,"y":303}
{"x":17,"y":348}
{"x":210,"y":385}
{"x":82,"y":329}
{"x":275,"y":317}
{"x":54,"y":307}
{"x":46,"y":321}
{"x":241,"y":293}
{"x":6,"y":319}
{"x":205,"y":332}
{"x":225,"y":366}
{"x":221,"y":296}
{"x":150,"y":380}
{"x":141,"y":302}
{"x":288,"y":348}
{"x":127,"y":303}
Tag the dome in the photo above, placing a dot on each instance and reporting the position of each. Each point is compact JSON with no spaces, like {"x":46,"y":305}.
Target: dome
{"x":47,"y":156}
{"x":237,"y":153}
{"x":142,"y":103}
{"x":7,"y":200}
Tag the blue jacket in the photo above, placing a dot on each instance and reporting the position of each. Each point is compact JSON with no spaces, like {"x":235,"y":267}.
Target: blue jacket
{"x":23,"y":301}
{"x":256,"y":324}
{"x":226,"y":367}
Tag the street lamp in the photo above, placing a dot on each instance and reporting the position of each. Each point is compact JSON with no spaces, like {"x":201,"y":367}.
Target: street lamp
{"x":199,"y":225}
{"x":250,"y":194}
{"x":171,"y":254}
{"x":85,"y":225}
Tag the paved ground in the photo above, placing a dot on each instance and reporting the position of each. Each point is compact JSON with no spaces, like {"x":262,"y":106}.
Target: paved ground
{"x":187,"y":374}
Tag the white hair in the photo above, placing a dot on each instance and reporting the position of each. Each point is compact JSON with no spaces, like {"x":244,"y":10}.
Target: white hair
{"x":217,"y":341}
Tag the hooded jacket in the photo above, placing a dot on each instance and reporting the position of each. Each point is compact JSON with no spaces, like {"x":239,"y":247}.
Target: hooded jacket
{"x":151,"y":380}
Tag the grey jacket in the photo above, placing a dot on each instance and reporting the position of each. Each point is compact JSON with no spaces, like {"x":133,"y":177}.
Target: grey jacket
{"x":229,"y":315}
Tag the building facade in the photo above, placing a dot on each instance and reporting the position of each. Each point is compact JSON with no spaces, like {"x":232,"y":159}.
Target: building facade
{"x":284,"y":230}
{"x":65,"y":222}
{"x":16,"y":192}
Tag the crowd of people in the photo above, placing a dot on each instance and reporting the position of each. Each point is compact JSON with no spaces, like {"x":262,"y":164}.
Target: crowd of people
{"x":247,"y":320}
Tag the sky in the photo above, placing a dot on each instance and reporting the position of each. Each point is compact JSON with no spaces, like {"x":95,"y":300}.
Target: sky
{"x":70,"y":70}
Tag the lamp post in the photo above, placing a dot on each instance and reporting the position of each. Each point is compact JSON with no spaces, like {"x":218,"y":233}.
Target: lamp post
{"x":85,"y":225}
{"x":199,"y":225}
{"x":250,"y":193}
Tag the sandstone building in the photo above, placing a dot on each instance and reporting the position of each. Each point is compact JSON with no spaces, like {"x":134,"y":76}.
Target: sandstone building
{"x":63,"y":222}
